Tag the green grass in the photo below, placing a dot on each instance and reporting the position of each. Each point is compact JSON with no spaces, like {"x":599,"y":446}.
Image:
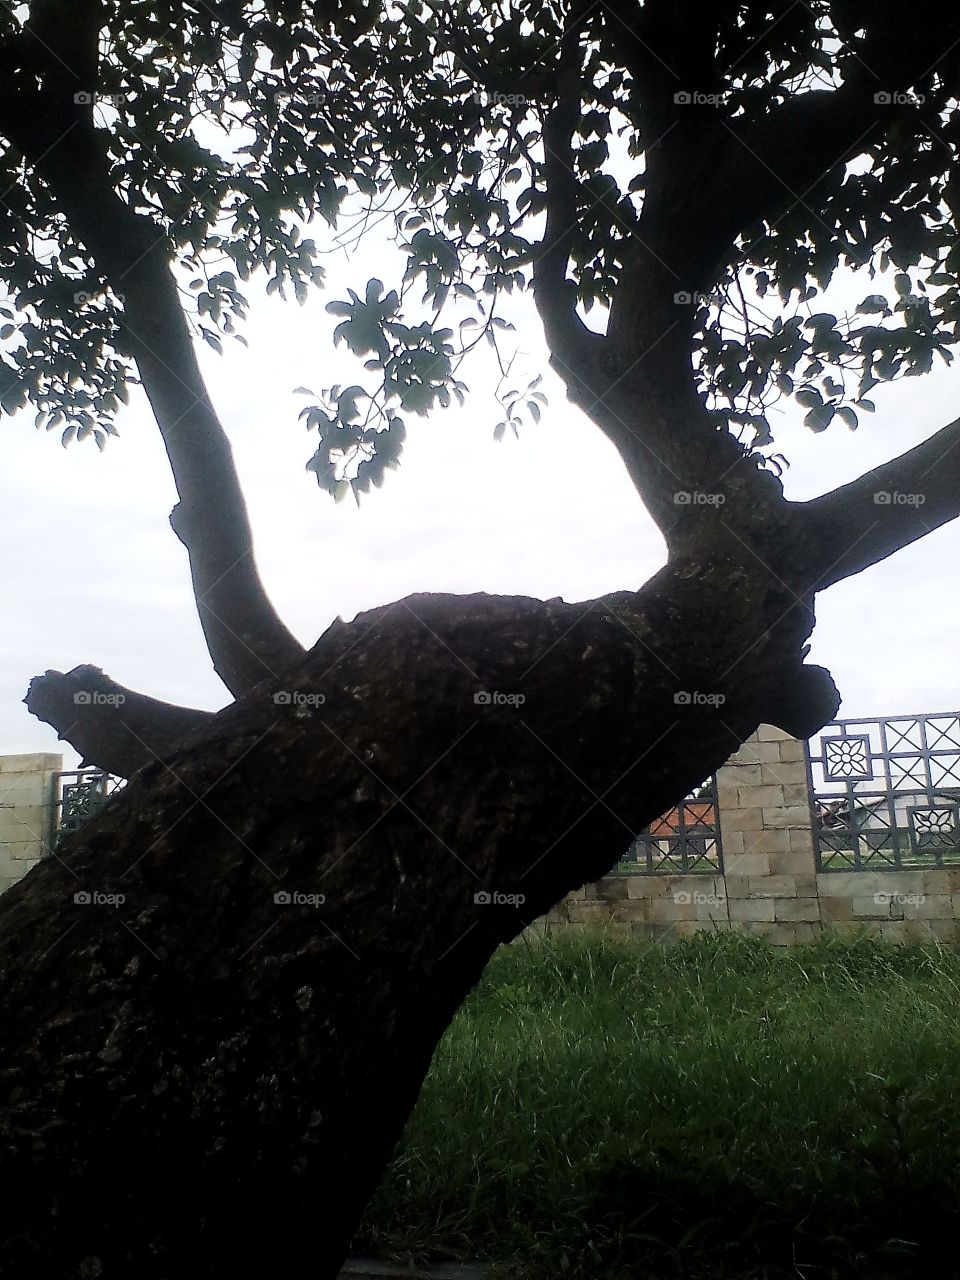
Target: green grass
{"x":716,"y":1108}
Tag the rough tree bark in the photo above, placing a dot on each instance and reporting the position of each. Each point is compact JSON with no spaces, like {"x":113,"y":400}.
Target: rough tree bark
{"x":201,"y":1079}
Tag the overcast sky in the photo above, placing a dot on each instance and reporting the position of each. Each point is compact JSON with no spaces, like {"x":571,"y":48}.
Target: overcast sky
{"x":91,"y":572}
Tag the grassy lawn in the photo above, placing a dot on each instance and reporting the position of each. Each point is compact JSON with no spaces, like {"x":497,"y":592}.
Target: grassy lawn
{"x":716,"y":1108}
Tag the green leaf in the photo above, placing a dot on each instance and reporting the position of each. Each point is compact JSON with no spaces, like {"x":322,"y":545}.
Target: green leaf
{"x":819,"y":419}
{"x":809,"y":397}
{"x":874,"y":303}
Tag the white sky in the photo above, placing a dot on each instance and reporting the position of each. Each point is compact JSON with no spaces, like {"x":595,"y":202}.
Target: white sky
{"x":91,"y":572}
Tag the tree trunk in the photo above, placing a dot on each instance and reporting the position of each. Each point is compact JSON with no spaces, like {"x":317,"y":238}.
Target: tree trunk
{"x":196,"y":1069}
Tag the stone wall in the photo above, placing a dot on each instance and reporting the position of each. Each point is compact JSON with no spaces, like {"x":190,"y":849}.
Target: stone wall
{"x":770,"y":885}
{"x":26,"y":812}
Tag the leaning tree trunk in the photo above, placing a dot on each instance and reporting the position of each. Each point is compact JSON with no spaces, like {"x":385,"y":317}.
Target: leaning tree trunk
{"x":219,"y":1000}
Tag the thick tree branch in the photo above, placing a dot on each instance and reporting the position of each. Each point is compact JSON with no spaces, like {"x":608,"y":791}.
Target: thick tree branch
{"x":711,"y":175}
{"x":673,"y":449}
{"x":246,"y":639}
{"x":111,"y":727}
{"x":774,"y":164}
{"x":577,"y":351}
{"x":862,"y":523}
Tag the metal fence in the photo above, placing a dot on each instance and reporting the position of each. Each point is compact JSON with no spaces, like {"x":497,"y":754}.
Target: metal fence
{"x":885,"y":793}
{"x":78,"y":794}
{"x":686,"y":839}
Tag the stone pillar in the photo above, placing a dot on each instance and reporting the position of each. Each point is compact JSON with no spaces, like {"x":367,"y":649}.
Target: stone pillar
{"x":26,"y":812}
{"x":766,"y":829}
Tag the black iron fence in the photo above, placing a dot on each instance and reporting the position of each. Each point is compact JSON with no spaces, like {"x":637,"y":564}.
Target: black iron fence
{"x":687,"y":839}
{"x":885,"y":793}
{"x":78,"y":794}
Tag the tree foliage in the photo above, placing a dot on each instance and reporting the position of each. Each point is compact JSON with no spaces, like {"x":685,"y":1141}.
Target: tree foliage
{"x":234,"y":126}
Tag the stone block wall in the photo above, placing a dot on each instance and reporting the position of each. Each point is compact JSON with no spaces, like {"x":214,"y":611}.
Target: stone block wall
{"x":770,"y":885}
{"x":26,"y":812}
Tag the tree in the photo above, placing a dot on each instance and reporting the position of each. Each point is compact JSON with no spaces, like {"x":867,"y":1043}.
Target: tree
{"x":290,"y":898}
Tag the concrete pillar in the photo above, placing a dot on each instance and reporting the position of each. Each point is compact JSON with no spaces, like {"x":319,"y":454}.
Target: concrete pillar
{"x":766,"y":829}
{"x":26,"y":812}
